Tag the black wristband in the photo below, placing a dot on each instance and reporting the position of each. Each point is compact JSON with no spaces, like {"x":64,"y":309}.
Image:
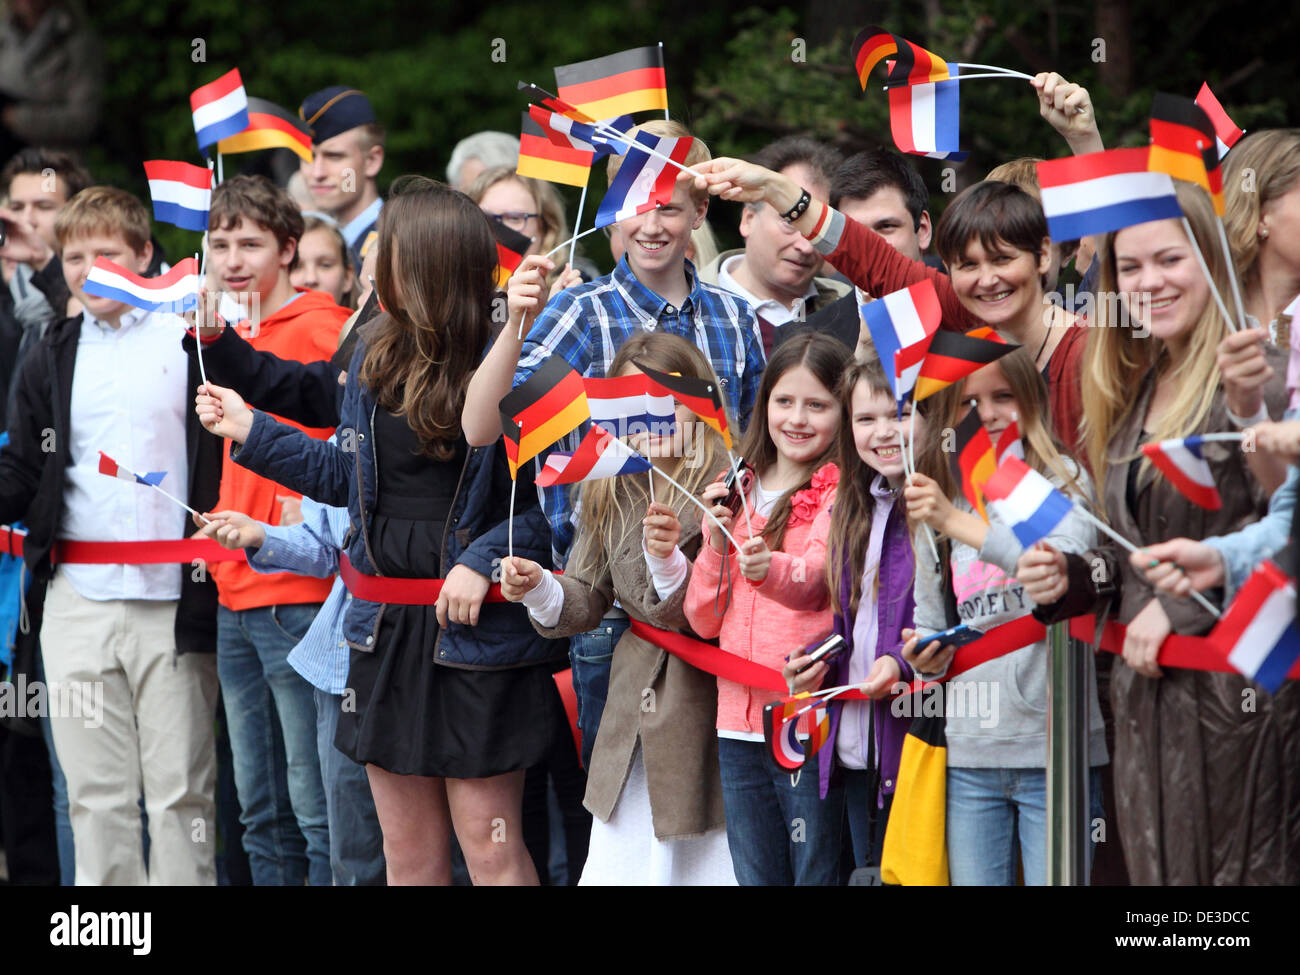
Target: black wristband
{"x":800,"y":207}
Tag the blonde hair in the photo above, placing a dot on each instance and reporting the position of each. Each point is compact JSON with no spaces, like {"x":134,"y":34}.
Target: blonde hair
{"x":611,"y":505}
{"x":1022,"y":172}
{"x":670,"y":129}
{"x":107,"y":211}
{"x":1260,"y":169}
{"x":550,"y":207}
{"x":1115,"y":359}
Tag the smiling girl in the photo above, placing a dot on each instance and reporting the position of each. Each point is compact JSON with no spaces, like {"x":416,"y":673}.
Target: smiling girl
{"x":1201,"y":779}
{"x":782,"y":605}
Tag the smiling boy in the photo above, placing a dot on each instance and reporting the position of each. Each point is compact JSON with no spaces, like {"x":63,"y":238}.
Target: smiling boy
{"x":253,"y":233}
{"x":654,"y":287}
{"x":115,"y":379}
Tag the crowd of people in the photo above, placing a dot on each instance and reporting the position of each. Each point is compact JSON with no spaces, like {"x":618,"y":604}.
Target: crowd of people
{"x":370,"y":685}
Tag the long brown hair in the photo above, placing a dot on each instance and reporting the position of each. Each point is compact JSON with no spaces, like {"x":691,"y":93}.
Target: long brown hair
{"x":434,"y":244}
{"x":825,"y":357}
{"x":610,"y":505}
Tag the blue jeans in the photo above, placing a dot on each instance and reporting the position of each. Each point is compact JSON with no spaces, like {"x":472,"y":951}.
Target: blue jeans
{"x":356,"y":843}
{"x":778,"y":834}
{"x":590,"y":655}
{"x":991,"y":812}
{"x":271,"y":712}
{"x":859,"y":796}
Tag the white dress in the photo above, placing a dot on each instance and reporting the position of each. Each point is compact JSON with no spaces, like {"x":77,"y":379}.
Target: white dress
{"x":626,"y":852}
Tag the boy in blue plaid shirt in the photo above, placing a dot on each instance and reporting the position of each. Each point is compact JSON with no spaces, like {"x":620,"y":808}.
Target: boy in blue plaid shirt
{"x":653,"y":287}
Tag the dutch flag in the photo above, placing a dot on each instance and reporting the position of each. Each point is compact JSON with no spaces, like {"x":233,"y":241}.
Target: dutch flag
{"x":902,"y":324}
{"x":1184,"y":463}
{"x":598,"y":455}
{"x":107,"y":465}
{"x":925,"y":119}
{"x":1103,"y":191}
{"x":625,"y":405}
{"x":643,"y":181}
{"x":176,"y":291}
{"x":220,"y":109}
{"x":1258,"y":632}
{"x":181,"y":193}
{"x":1025,"y":501}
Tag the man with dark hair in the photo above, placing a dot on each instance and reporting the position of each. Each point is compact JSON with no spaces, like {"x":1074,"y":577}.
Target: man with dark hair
{"x":347,"y":155}
{"x":776,"y":272}
{"x":882,"y":190}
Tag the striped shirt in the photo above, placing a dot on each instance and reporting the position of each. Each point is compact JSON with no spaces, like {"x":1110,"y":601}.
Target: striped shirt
{"x":587,"y":324}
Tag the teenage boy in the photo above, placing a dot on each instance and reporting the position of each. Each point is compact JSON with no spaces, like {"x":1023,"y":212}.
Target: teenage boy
{"x":347,"y":155}
{"x":127,"y":647}
{"x":654,"y":287}
{"x":776,"y":272}
{"x":883,"y":191}
{"x":253,"y":233}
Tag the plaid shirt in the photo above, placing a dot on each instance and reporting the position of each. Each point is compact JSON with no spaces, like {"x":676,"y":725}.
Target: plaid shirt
{"x":587,"y":324}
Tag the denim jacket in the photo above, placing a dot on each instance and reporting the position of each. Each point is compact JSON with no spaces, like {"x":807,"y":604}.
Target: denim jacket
{"x":475,"y":535}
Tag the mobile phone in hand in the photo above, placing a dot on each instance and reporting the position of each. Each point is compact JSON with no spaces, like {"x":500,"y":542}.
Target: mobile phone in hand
{"x":827,"y":650}
{"x":957,"y":636}
{"x":736,"y":488}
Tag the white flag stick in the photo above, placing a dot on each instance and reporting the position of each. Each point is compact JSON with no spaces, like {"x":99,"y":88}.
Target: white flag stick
{"x":1232,"y":273}
{"x":1205,"y":269}
{"x":573,"y":241}
{"x":199,"y":321}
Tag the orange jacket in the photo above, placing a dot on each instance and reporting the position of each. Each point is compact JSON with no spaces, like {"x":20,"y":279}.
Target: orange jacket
{"x":306,"y":329}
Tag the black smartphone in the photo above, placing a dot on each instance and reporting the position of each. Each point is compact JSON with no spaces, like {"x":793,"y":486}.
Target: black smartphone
{"x":827,"y":650}
{"x":736,"y":488}
{"x":958,"y":636}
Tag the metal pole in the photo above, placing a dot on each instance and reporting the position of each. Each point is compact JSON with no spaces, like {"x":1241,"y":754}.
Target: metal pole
{"x":1067,"y":759}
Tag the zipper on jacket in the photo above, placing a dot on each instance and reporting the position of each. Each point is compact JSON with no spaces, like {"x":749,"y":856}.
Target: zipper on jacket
{"x":361,"y":487}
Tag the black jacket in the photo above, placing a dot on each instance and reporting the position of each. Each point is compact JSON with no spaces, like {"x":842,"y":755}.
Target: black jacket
{"x":838,"y":319}
{"x":32,"y":469}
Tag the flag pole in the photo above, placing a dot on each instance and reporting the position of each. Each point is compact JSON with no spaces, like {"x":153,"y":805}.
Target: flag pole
{"x":735,"y":470}
{"x":570,"y":241}
{"x":220,"y":169}
{"x":692,"y":498}
{"x":617,"y":136}
{"x":510,"y":517}
{"x":1205,"y":269}
{"x":171,"y":497}
{"x":1232,"y":272}
{"x":1003,"y":72}
{"x":199,"y":320}
{"x":1102,"y":526}
{"x":573,"y":241}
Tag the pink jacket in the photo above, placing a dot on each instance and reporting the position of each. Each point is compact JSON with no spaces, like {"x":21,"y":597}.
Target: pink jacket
{"x":767,"y":622}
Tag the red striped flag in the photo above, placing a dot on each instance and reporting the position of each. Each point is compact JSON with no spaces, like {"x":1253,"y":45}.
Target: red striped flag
{"x":1226,"y":132}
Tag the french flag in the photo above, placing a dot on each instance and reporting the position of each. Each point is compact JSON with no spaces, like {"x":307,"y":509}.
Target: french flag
{"x":925,"y":119}
{"x":1103,"y":191}
{"x":1025,"y":500}
{"x":643,"y":181}
{"x":1226,"y":132}
{"x":902,"y":324}
{"x":571,"y":134}
{"x":181,"y":193}
{"x":1183,"y":462}
{"x":220,"y":109}
{"x":1258,"y":632}
{"x":598,"y":455}
{"x":107,"y":465}
{"x":626,"y":404}
{"x":176,"y":291}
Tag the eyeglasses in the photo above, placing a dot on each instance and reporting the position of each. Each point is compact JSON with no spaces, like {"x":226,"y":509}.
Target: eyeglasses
{"x":514,"y":219}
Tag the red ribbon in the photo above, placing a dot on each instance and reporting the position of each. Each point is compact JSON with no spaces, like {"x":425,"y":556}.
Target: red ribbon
{"x":404,"y":592}
{"x":127,"y":553}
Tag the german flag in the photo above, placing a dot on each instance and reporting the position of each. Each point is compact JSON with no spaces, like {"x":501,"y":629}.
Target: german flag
{"x":539,"y":411}
{"x":973,"y":461}
{"x":1184,"y":145}
{"x":618,"y":84}
{"x":511,"y":248}
{"x":953,"y":356}
{"x":701,"y":396}
{"x":912,"y":65}
{"x":544,"y":97}
{"x":541,"y":158}
{"x":270,"y":127}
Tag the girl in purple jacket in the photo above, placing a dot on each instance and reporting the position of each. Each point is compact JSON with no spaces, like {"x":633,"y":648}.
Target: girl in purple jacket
{"x":871,"y":568}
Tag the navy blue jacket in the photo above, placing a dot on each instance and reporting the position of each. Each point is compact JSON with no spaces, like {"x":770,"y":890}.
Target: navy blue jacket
{"x":344,"y":473}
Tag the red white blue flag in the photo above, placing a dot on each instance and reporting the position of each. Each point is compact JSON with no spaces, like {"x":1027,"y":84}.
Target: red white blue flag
{"x":1025,"y":501}
{"x":1258,"y":632}
{"x":1103,"y":191}
{"x":181,"y":193}
{"x":643,"y":181}
{"x":1183,"y":462}
{"x":781,"y":729}
{"x":571,"y":134}
{"x":107,"y":465}
{"x":598,"y":455}
{"x":626,"y":405}
{"x":220,"y":109}
{"x":176,"y":291}
{"x":902,"y":325}
{"x":1226,"y":132}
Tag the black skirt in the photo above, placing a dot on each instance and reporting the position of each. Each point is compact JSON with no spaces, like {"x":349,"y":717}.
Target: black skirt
{"x":412,"y":715}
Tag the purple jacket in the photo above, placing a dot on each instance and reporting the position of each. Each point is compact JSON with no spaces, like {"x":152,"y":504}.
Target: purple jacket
{"x":895,"y":606}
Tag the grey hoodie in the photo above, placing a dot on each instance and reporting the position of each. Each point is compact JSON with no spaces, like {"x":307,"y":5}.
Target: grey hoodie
{"x":997,"y":712}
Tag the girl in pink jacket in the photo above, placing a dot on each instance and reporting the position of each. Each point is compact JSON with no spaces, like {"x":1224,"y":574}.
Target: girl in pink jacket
{"x":768,"y":601}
